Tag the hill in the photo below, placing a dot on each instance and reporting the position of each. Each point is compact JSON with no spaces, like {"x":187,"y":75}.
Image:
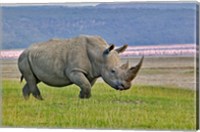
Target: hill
{"x":133,"y":24}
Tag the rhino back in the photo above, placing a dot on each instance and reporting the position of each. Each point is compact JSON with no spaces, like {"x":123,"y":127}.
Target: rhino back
{"x":50,"y":59}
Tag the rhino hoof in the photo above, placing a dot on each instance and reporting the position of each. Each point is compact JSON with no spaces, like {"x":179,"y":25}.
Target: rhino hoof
{"x":26,"y":97}
{"x":39,"y":97}
{"x":84,"y":96}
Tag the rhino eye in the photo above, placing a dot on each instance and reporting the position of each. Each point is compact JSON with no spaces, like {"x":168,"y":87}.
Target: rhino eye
{"x":112,"y":71}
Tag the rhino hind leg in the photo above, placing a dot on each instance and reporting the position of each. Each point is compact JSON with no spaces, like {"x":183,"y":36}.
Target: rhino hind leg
{"x":36,"y":93}
{"x":31,"y":80}
{"x":26,"y":91}
{"x":31,"y":86}
{"x":31,"y":89}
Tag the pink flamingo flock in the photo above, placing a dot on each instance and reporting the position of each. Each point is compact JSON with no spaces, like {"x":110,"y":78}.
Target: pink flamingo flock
{"x":132,"y":51}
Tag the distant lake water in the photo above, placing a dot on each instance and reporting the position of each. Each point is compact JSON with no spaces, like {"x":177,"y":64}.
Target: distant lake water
{"x":132,"y":51}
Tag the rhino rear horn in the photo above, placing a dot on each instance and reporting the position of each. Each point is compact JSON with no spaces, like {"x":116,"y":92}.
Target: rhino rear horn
{"x":125,"y":65}
{"x":132,"y":72}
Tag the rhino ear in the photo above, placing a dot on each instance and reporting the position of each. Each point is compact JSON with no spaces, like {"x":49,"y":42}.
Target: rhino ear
{"x":107,"y":51}
{"x":121,"y":49}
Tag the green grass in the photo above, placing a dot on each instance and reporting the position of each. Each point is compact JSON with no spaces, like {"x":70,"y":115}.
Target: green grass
{"x":141,"y":107}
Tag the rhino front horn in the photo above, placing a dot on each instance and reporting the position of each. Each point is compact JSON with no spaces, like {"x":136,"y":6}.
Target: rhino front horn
{"x":132,"y":72}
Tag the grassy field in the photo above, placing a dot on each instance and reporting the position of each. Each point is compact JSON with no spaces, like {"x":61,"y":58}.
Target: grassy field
{"x":162,"y":97}
{"x":141,"y":107}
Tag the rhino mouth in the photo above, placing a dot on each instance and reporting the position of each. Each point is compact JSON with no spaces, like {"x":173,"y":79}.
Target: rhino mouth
{"x":122,"y":87}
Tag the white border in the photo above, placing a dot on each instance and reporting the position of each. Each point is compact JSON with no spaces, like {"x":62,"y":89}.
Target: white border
{"x":5,"y":2}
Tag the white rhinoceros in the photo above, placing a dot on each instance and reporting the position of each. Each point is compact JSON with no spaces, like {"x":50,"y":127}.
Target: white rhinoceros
{"x":79,"y":61}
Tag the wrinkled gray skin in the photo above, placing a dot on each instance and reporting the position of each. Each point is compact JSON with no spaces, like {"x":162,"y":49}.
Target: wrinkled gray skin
{"x":79,"y":61}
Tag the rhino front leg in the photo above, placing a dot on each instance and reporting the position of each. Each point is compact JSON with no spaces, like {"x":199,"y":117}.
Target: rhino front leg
{"x":80,"y":80}
{"x":92,"y":82}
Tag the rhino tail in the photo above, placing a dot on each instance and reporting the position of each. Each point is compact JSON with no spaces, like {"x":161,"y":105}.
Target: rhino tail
{"x":21,"y":78}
